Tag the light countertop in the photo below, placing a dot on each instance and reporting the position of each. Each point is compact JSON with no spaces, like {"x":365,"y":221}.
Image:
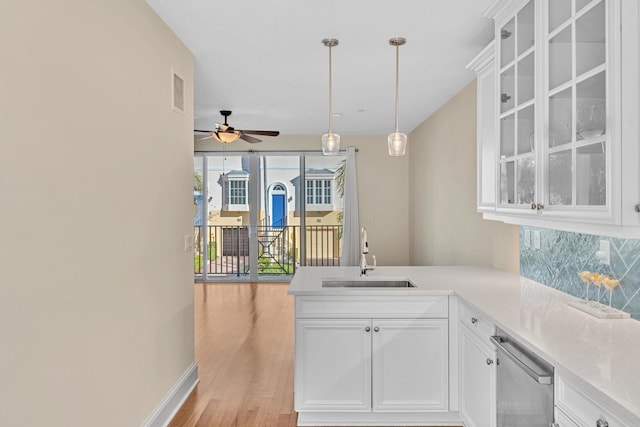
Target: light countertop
{"x":603,"y":355}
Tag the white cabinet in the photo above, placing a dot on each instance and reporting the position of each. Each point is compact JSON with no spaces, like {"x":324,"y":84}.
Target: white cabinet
{"x":372,"y":360}
{"x":477,"y":368}
{"x":410,"y":365}
{"x":517,"y":54}
{"x":484,"y":67}
{"x":561,"y":420}
{"x":566,"y":95}
{"x":576,"y":407}
{"x":580,"y":145}
{"x":477,"y":380}
{"x":333,"y":365}
{"x":384,"y":365}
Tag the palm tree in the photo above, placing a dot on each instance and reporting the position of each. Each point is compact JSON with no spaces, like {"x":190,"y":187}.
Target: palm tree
{"x":197,"y":201}
{"x":197,"y":188}
{"x":339,"y":176}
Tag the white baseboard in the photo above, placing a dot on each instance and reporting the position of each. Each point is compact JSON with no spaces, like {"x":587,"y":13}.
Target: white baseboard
{"x":370,"y":419}
{"x":168,"y":407}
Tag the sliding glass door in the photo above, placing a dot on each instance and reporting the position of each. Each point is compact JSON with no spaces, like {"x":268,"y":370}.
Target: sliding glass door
{"x":261,"y":215}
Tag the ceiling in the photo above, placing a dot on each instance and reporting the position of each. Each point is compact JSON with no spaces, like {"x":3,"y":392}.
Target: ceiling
{"x":264,"y":60}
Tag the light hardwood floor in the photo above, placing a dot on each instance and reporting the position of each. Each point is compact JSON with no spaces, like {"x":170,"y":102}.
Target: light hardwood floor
{"x":244,"y":336}
{"x":244,"y":349}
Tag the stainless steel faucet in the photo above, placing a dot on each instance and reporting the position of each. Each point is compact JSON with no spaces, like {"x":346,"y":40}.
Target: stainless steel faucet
{"x":364,"y":246}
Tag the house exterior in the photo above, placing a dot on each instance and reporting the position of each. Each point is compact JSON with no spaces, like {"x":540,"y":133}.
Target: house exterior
{"x":282,"y":193}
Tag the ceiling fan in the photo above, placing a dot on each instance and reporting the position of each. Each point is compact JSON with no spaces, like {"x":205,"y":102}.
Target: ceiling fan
{"x":225,"y":133}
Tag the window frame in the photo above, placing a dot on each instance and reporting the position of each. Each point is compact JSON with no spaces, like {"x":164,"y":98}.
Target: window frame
{"x":318,"y":193}
{"x":236,"y":189}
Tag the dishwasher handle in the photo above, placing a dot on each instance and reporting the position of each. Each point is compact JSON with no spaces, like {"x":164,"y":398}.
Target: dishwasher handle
{"x":540,"y":378}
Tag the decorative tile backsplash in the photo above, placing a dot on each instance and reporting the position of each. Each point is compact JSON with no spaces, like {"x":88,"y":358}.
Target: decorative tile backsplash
{"x":562,"y":255}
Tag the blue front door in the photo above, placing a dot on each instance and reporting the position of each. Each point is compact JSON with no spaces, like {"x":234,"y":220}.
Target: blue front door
{"x":278,"y":210}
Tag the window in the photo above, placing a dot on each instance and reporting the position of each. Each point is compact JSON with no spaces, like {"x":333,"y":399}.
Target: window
{"x":238,"y":192}
{"x":319,"y":191}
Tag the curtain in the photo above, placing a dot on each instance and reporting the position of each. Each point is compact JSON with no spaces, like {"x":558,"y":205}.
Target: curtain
{"x":351,"y":226}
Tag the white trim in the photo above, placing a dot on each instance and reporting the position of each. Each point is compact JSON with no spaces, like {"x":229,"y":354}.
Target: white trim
{"x":570,"y":224}
{"x":493,"y":9}
{"x":483,"y":59}
{"x":379,"y":418}
{"x":503,"y":11}
{"x":173,"y":400}
{"x":313,"y":205}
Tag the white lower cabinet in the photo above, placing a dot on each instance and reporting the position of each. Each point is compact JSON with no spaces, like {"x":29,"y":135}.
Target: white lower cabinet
{"x":477,"y":380}
{"x":379,"y":365}
{"x":562,"y":420}
{"x":576,"y":406}
{"x":410,"y":369}
{"x":333,"y":365}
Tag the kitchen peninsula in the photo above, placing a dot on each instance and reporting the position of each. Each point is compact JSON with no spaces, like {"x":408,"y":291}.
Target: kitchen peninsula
{"x":353,"y":346}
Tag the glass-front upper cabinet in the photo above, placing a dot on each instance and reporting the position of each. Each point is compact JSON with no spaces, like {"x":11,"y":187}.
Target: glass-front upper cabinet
{"x":577,"y":138}
{"x":566,"y":113}
{"x":517,"y":141}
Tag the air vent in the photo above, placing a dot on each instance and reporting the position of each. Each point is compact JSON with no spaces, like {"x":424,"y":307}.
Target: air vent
{"x":178,"y":93}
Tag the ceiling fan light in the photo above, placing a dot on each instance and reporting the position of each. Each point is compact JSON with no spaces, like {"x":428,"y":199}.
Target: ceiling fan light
{"x":330,"y":144}
{"x":397,"y":144}
{"x":225,"y":137}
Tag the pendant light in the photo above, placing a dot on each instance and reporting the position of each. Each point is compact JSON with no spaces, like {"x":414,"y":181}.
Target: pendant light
{"x":330,"y":140}
{"x":397,"y":140}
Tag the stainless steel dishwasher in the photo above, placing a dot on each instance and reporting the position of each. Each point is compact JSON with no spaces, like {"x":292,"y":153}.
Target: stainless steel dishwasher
{"x":524,"y":386}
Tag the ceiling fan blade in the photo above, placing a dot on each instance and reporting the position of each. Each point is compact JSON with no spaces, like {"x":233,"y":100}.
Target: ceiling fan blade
{"x":204,"y":131}
{"x":204,"y":137}
{"x":249,"y":139}
{"x":262,"y":132}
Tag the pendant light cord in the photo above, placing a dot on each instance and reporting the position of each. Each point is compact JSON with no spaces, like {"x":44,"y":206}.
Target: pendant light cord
{"x":330,"y":95}
{"x":397,"y":82}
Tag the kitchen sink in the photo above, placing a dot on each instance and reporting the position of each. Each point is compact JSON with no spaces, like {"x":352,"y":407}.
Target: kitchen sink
{"x":367,"y":283}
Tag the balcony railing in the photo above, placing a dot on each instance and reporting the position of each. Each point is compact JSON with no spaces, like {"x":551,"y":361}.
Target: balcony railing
{"x":278,"y":249}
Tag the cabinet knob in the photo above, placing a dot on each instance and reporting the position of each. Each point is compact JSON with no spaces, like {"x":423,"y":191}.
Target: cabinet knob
{"x":534,"y":206}
{"x":602,"y":423}
{"x":474,"y":320}
{"x":504,"y":98}
{"x":489,"y":362}
{"x":637,"y":208}
{"x":376,"y":329}
{"x":367,"y":329}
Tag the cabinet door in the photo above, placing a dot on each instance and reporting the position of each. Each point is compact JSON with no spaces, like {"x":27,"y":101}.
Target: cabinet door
{"x":410,"y":365}
{"x":477,"y":380}
{"x":333,"y":365}
{"x":517,"y":147}
{"x":579,"y":405}
{"x":580,"y":113}
{"x":562,"y":420}
{"x":486,"y":116}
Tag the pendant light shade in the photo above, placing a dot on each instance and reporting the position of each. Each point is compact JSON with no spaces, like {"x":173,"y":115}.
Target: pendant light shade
{"x":330,"y":140}
{"x":397,"y":144}
{"x":397,"y":140}
{"x":330,"y":144}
